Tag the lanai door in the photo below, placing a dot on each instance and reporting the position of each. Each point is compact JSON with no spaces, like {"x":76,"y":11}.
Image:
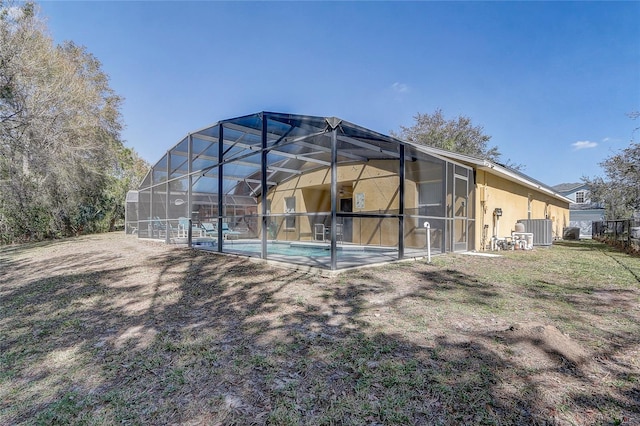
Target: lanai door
{"x":460,"y":209}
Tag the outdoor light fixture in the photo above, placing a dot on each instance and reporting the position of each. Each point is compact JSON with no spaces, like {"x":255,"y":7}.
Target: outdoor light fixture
{"x":178,"y":202}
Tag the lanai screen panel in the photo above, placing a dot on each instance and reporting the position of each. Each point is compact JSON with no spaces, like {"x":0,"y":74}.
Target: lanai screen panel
{"x":369,"y":188}
{"x":179,"y":160}
{"x":297,"y":170}
{"x":131,"y":213}
{"x":204,"y":177}
{"x":241,"y":165}
{"x":159,"y":171}
{"x":425,"y":201}
{"x":240,"y":206}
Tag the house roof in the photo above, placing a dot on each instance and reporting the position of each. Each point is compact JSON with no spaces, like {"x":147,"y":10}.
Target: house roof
{"x":569,"y":187}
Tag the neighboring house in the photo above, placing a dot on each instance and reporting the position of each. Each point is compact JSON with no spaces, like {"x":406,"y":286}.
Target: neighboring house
{"x":582,"y":211}
{"x":297,"y":184}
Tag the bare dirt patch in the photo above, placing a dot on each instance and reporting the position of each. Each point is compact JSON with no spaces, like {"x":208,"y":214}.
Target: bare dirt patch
{"x":543,"y":341}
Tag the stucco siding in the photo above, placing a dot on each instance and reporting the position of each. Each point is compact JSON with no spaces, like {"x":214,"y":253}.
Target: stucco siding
{"x":517,"y":202}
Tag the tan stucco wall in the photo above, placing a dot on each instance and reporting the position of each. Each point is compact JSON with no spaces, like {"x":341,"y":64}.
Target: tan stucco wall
{"x":495,"y":192}
{"x":377,"y":180}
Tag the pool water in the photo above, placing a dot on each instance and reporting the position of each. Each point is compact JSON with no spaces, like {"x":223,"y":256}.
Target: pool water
{"x":312,"y":254}
{"x":287,"y":249}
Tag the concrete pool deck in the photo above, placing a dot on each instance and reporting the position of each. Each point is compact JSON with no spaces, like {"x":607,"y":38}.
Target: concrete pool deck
{"x":350,"y":256}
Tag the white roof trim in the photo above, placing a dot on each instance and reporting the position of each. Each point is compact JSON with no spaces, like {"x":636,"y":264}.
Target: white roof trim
{"x":509,"y":175}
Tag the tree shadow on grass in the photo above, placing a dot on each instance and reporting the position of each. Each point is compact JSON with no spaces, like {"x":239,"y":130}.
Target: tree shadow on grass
{"x":190,"y":337}
{"x":265,"y":350}
{"x":47,"y":326}
{"x":17,"y":249}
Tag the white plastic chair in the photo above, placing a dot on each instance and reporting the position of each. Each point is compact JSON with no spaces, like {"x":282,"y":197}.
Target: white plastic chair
{"x":339,"y":232}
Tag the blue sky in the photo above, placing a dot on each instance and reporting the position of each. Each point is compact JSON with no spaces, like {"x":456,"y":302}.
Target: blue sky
{"x":551,"y":83}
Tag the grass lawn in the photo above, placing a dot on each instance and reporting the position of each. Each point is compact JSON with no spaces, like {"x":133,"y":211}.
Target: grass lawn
{"x":106,"y":329}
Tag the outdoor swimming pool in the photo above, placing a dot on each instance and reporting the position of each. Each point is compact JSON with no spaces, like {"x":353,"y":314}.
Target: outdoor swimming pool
{"x":281,"y":249}
{"x":300,"y":249}
{"x":314,"y":254}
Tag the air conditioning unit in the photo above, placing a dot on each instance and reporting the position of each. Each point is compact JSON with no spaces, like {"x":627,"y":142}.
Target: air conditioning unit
{"x":541,"y":229}
{"x":571,"y":233}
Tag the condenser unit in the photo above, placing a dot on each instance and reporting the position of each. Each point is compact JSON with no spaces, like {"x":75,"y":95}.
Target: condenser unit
{"x":541,"y":229}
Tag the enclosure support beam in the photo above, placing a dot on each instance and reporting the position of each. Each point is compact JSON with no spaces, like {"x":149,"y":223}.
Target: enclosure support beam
{"x":401,"y":205}
{"x":189,"y":191}
{"x":220,"y":186}
{"x":167,"y":226}
{"x":448,"y":175}
{"x":263,"y":184}
{"x":150,"y":233}
{"x":334,"y":198}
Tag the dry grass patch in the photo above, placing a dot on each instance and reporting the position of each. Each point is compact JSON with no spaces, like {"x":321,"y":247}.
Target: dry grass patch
{"x":106,"y":329}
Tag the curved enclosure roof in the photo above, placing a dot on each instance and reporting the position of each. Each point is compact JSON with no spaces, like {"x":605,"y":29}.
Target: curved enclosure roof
{"x":297,"y":144}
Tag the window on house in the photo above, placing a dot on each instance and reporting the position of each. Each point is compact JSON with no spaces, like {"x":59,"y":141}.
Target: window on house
{"x":580,"y":197}
{"x":290,"y":208}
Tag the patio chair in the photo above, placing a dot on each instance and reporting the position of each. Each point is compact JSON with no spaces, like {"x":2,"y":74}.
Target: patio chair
{"x":228,"y":233}
{"x":196,"y":231}
{"x":211,"y":230}
{"x":183,"y":227}
{"x":339,"y":232}
{"x":160,"y":227}
{"x":208,"y":229}
{"x":318,"y":231}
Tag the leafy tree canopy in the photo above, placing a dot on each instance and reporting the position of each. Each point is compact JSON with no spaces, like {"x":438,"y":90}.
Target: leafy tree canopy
{"x":458,"y":135}
{"x":62,"y":161}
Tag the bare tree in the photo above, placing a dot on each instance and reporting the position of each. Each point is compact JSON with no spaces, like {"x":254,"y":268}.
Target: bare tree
{"x":620,"y":190}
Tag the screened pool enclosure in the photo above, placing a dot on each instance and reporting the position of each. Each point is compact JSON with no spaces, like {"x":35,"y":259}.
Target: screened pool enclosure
{"x":318,"y":191}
